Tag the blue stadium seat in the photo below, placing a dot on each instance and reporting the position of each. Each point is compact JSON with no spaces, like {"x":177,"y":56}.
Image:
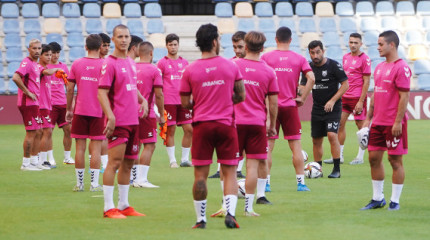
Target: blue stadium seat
{"x":347,"y":25}
{"x":405,"y":8}
{"x":71,"y":10}
{"x":284,"y":9}
{"x":307,"y":25}
{"x":48,"y":1}
{"x":375,"y":63}
{"x":132,"y":10}
{"x":29,"y":1}
{"x":364,"y":8}
{"x":331,"y":39}
{"x":384,"y":8}
{"x":245,"y":24}
{"x":223,"y":9}
{"x":266,"y":25}
{"x":9,"y":10}
{"x":304,"y":9}
{"x":14,"y":54}
{"x":270,"y":40}
{"x":51,"y":10}
{"x":423,"y":8}
{"x":11,"y":26}
{"x":11,"y":68}
{"x":76,"y":53}
{"x":93,"y":26}
{"x":389,"y":23}
{"x":334,"y":52}
{"x":290,"y":23}
{"x":13,"y":88}
{"x":346,"y":38}
{"x":263,"y":9}
{"x":370,"y":38}
{"x":327,"y":25}
{"x":73,"y":25}
{"x":159,"y":53}
{"x":131,"y":1}
{"x":2,"y":83}
{"x":32,"y":26}
{"x":12,"y":40}
{"x":402,"y":52}
{"x":296,"y":50}
{"x":31,"y":36}
{"x":422,"y":66}
{"x":228,"y":53}
{"x":373,"y":53}
{"x":152,"y":10}
{"x":368,"y":24}
{"x":111,"y":23}
{"x":295,"y":42}
{"x":155,"y":26}
{"x":75,"y":40}
{"x":92,"y":10}
{"x":344,"y":9}
{"x":54,"y":37}
{"x":30,"y":10}
{"x":150,"y":0}
{"x":135,"y":26}
{"x":413,"y":37}
{"x":424,"y":81}
{"x":226,"y":40}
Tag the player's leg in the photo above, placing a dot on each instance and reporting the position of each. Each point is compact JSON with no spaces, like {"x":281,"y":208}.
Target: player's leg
{"x":81,"y":144}
{"x":398,"y":178}
{"x":341,"y":136}
{"x":200,"y":192}
{"x":170,"y":145}
{"x":43,"y":155}
{"x":298,"y":163}
{"x":230,"y":193}
{"x":104,"y":155}
{"x":36,"y":149}
{"x":317,"y":148}
{"x":186,"y":145}
{"x":378,"y":174}
{"x":95,"y":146}
{"x":29,"y":163}
{"x":143,"y":166}
{"x":335,"y":153}
{"x":262,"y":179}
{"x":360,"y":155}
{"x":250,"y":186}
{"x":67,"y":143}
{"x":269,"y":162}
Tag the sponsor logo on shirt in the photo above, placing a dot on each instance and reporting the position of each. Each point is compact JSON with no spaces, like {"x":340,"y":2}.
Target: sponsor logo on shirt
{"x":212,"y":83}
{"x":407,"y":73}
{"x":283,"y":58}
{"x":283,"y":70}
{"x":24,"y":64}
{"x":89,"y":67}
{"x":89,"y":79}
{"x":180,"y":65}
{"x":368,"y":61}
{"x":208,"y":70}
{"x":130,"y":87}
{"x":380,"y":89}
{"x":250,"y":82}
{"x":104,"y":69}
{"x":123,"y":70}
{"x":320,"y":86}
{"x":173,"y":77}
{"x":249,"y":69}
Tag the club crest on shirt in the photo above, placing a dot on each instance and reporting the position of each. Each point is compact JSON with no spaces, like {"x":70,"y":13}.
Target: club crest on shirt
{"x":180,"y":65}
{"x":354,"y":62}
{"x":123,"y":70}
{"x":170,"y":66}
{"x":324,"y":73}
{"x":388,"y":72}
{"x":135,"y":148}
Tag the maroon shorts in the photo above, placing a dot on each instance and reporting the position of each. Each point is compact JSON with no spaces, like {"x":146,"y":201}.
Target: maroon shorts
{"x":208,"y":136}
{"x":177,"y":115}
{"x":58,"y":115}
{"x":252,"y":139}
{"x":88,"y":127}
{"x":148,"y":130}
{"x":288,"y":118}
{"x":31,"y":117}
{"x":128,"y":135}
{"x":46,"y":118}
{"x":381,"y":139}
{"x":348,"y":106}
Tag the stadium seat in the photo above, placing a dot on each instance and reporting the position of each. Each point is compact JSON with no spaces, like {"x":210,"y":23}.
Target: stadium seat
{"x":373,"y":53}
{"x":307,"y":25}
{"x":284,"y":9}
{"x":370,"y":38}
{"x":228,"y":53}
{"x":266,"y":25}
{"x":73,"y":25}
{"x":226,"y":40}
{"x":48,"y":1}
{"x":346,"y":38}
{"x":12,"y":67}
{"x":155,"y":26}
{"x":304,"y":9}
{"x":32,"y":26}
{"x":223,"y":9}
{"x":423,"y":8}
{"x":14,"y":54}
{"x":263,"y":9}
{"x":71,"y":10}
{"x":52,"y":25}
{"x":287,"y":22}
{"x":344,"y":9}
{"x":76,"y":53}
{"x":111,"y":10}
{"x":389,"y":23}
{"x":111,"y":23}
{"x":402,"y":52}
{"x":69,"y":1}
{"x":51,"y":10}
{"x":152,"y":10}
{"x":307,"y":38}
{"x":413,"y":37}
{"x":11,"y":26}
{"x":405,"y":8}
{"x":296,"y":50}
{"x":331,"y":39}
{"x":422,"y":66}
{"x":157,"y":39}
{"x":89,"y":1}
{"x":327,"y":25}
{"x":12,"y":40}
{"x":245,"y":24}
{"x":295,"y":40}
{"x":334,"y":52}
{"x":91,"y":10}
{"x":135,"y":26}
{"x":270,"y":40}
{"x":416,"y":52}
{"x":93,"y":26}
{"x":426,"y":23}
{"x":31,"y":36}
{"x":30,"y":10}
{"x":423,"y":82}
{"x":3,"y":87}
{"x":54,"y":37}
{"x":159,"y":53}
{"x":9,"y":10}
{"x":75,"y":40}
{"x":410,"y":22}
{"x":347,"y":25}
{"x":132,"y":10}
{"x":364,"y":8}
{"x":226,"y":25}
{"x":324,"y":9}
{"x":384,"y":8}
{"x":368,"y":24}
{"x":150,"y":0}
{"x":243,"y":9}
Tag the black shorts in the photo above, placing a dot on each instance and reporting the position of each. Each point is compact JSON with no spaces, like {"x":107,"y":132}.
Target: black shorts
{"x":323,"y":122}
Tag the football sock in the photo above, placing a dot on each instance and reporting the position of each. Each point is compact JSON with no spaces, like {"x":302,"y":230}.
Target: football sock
{"x":34,"y":160}
{"x":133,"y":173}
{"x":67,"y":154}
{"x":51,"y":155}
{"x":79,"y":176}
{"x":249,"y":200}
{"x":104,"y":159}
{"x":268,"y":179}
{"x":200,"y":207}
{"x":360,"y":154}
{"x":95,"y":173}
{"x":171,"y":154}
{"x":261,"y":187}
{"x":341,"y":151}
{"x":230,"y":203}
{"x":108,"y":197}
{"x":396,"y":192}
{"x":185,"y":154}
{"x":43,"y":157}
{"x":336,"y":163}
{"x":123,"y":196}
{"x":25,"y":161}
{"x":219,"y":166}
{"x":240,"y":165}
{"x":319,"y":162}
{"x":300,"y":178}
{"x":378,"y":190}
{"x":144,"y":173}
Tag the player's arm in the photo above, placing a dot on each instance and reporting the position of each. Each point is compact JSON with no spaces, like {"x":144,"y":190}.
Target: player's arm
{"x":273,"y":114}
{"x":143,"y":105}
{"x":306,"y":89}
{"x":186,"y":101}
{"x":401,"y":110}
{"x":239,"y":92}
{"x":343,"y":88}
{"x":18,"y":81}
{"x":359,"y":107}
{"x":50,"y":71}
{"x":159,"y":102}
{"x":70,"y":94}
{"x":104,"y":102}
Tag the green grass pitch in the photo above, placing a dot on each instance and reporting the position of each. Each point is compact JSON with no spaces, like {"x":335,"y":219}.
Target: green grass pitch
{"x":41,"y":205}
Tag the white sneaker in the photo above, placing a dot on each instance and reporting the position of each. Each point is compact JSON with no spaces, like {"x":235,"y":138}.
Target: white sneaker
{"x":43,"y":167}
{"x":174,"y":165}
{"x":69,"y":161}
{"x":145,"y":184}
{"x":330,"y":161}
{"x":53,"y":164}
{"x":251,"y":214}
{"x":78,"y":188}
{"x":356,"y":161}
{"x":30,"y":167}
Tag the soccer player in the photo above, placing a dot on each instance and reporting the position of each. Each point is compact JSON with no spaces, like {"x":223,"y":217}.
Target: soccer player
{"x":358,"y":69}
{"x":59,"y":101}
{"x":171,"y":67}
{"x":288,"y":65}
{"x":86,"y":114}
{"x":215,"y":84}
{"x":104,"y":48}
{"x":150,"y":85}
{"x":120,"y":101}
{"x":260,"y":82}
{"x":327,"y":106}
{"x":389,"y":120}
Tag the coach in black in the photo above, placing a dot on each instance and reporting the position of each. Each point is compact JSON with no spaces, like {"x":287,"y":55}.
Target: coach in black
{"x":327,"y":107}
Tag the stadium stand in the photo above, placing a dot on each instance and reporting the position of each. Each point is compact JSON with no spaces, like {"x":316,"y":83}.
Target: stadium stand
{"x":263,"y":9}
{"x":132,"y":10}
{"x":52,"y":25}
{"x":91,"y":10}
{"x":284,"y":9}
{"x":51,"y":10}
{"x":93,"y":26}
{"x":327,"y":25}
{"x":384,"y":8}
{"x":364,"y":8}
{"x":9,"y":10}
{"x":30,"y":10}
{"x":152,"y":10}
{"x":344,"y":9}
{"x":73,"y":25}
{"x":304,"y":9}
{"x":324,"y":9}
{"x":71,"y":10}
{"x":405,"y":8}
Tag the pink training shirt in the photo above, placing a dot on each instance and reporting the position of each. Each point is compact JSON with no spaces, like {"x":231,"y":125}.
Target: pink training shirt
{"x":58,"y":86}
{"x":355,"y":68}
{"x":119,"y":76}
{"x":211,"y":82}
{"x":288,"y":65}
{"x":260,"y":81}
{"x":390,"y":78}
{"x":85,"y":72}
{"x":30,"y":73}
{"x":172,"y":70}
{"x":45,"y":91}
{"x":148,"y":77}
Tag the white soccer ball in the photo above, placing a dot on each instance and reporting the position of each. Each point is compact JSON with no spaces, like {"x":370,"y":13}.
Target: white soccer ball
{"x":313,"y":170}
{"x":305,"y":155}
{"x":363,"y":137}
{"x":241,"y":188}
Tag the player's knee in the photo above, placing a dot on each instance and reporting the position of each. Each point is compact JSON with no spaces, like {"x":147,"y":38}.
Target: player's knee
{"x":332,"y":137}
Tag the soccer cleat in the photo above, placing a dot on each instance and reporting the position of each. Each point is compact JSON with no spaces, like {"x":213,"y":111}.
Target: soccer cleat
{"x":53,"y":163}
{"x":302,"y":188}
{"x":113,"y":213}
{"x":186,"y":164}
{"x":263,"y":200}
{"x":78,"y":188}
{"x":267,"y":188}
{"x":230,"y":221}
{"x":220,"y":213}
{"x":373,"y":204}
{"x":240,"y":175}
{"x":30,"y":167}
{"x":330,"y":161}
{"x":69,"y":161}
{"x":47,"y":164}
{"x":129,"y":211}
{"x":393,"y":206}
{"x":356,"y":161}
{"x":174,"y":165}
{"x":201,"y":224}
{"x":251,"y":214}
{"x":96,"y":189}
{"x":216,"y":175}
{"x":334,"y":174}
{"x":41,"y":166}
{"x":145,"y":184}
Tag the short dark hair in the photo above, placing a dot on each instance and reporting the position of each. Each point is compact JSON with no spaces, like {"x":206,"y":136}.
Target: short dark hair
{"x":93,"y":42}
{"x":237,"y":36}
{"x":390,"y":36}
{"x":135,"y":41}
{"x":119,"y":26}
{"x":55,"y":47}
{"x":105,"y":37}
{"x":314,"y":44}
{"x":45,"y":48}
{"x":146,"y":47}
{"x":355,"y":35}
{"x":255,"y":41}
{"x":283,"y":34}
{"x":171,"y":37}
{"x":205,"y":36}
